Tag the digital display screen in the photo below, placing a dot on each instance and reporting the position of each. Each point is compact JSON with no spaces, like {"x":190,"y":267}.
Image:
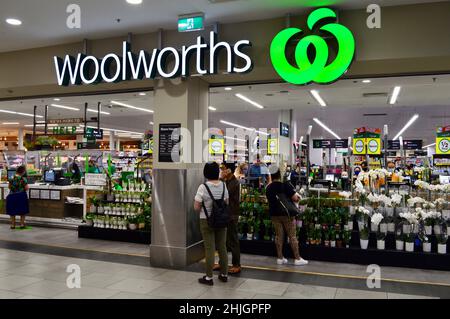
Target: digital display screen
{"x":330,"y":177}
{"x":49,"y":177}
{"x":11,"y":174}
{"x":284,"y":130}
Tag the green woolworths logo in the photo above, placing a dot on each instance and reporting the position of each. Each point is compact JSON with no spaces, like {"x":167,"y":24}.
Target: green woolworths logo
{"x":316,"y":71}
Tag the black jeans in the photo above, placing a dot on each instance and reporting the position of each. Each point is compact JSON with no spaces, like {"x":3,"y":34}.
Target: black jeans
{"x":233,"y":244}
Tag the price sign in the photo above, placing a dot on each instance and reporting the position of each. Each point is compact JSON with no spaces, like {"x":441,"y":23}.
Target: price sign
{"x":373,"y":146}
{"x":443,"y":145}
{"x":216,"y":146}
{"x":359,"y":146}
{"x":272,"y":146}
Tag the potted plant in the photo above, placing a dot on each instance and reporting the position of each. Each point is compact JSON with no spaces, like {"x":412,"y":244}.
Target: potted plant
{"x":90,"y":219}
{"x":448,"y":226}
{"x":326,"y":238}
{"x":390,"y":224}
{"x":347,"y":237}
{"x":364,"y":238}
{"x":376,"y":220}
{"x":409,"y":245}
{"x":437,"y":228}
{"x":132,"y":222}
{"x":428,"y":222}
{"x":381,"y":241}
{"x":426,"y":245}
{"x":442,"y":244}
{"x":93,"y":206}
{"x":400,"y":241}
{"x":332,"y":238}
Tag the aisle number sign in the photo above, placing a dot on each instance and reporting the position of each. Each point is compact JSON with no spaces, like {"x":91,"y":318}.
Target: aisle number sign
{"x":359,"y":146}
{"x":217,"y":146}
{"x":373,"y":146}
{"x":272,"y":146}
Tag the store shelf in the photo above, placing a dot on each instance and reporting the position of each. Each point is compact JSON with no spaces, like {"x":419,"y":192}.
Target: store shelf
{"x":128,"y":236}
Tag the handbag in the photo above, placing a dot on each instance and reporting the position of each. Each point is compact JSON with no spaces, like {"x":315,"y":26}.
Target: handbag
{"x":287,"y":206}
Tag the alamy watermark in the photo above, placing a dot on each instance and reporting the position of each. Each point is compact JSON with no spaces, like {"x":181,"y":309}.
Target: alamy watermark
{"x":74,"y":279}
{"x":374,"y":279}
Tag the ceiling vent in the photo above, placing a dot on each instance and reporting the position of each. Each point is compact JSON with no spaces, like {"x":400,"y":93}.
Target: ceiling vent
{"x":375,"y":114}
{"x":375,"y":95}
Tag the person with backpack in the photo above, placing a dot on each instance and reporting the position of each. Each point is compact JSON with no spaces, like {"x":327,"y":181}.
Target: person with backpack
{"x":211,"y":201}
{"x":281,"y":198}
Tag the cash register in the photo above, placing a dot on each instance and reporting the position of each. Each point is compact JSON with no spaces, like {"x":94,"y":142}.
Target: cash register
{"x":56,"y":177}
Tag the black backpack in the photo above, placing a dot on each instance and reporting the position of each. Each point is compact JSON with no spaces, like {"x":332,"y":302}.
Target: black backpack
{"x":220,"y":215}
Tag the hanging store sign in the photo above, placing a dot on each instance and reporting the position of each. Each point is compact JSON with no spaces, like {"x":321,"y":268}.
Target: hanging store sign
{"x":409,"y":145}
{"x":216,"y":146}
{"x":326,"y":144}
{"x":83,"y":69}
{"x":359,"y":146}
{"x":373,"y":146}
{"x":191,"y":23}
{"x":272,"y":146}
{"x":443,"y":140}
{"x":66,"y":121}
{"x":93,"y":133}
{"x":61,"y":130}
{"x":314,"y":69}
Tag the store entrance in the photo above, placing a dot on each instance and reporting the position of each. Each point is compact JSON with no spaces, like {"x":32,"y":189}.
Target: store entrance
{"x":88,"y":163}
{"x":361,"y":153}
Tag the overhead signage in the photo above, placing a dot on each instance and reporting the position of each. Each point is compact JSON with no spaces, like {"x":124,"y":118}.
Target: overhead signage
{"x":82,"y":69}
{"x":66,"y":121}
{"x":314,"y":69}
{"x":359,"y":146}
{"x":443,"y":140}
{"x":410,"y":145}
{"x":216,"y":146}
{"x":60,"y":130}
{"x":93,"y":133}
{"x":325,"y":144}
{"x":373,"y":146}
{"x":272,"y":146}
{"x":94,"y":179}
{"x":367,"y":141}
{"x":284,"y":130}
{"x":191,"y":23}
{"x":169,"y":139}
{"x":87,"y":145}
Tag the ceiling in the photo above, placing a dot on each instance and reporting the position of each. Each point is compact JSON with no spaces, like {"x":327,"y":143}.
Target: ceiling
{"x":44,"y":21}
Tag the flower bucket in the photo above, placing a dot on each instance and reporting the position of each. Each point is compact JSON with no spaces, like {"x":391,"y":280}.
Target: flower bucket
{"x":350,"y":225}
{"x":333,"y":244}
{"x":352,"y":210}
{"x":399,"y":245}
{"x":361,"y":226}
{"x":442,"y":249}
{"x":364,"y":243}
{"x":427,"y":247}
{"x":389,"y":211}
{"x":384,"y":228}
{"x":373,"y":227}
{"x":391,"y":227}
{"x":381,"y":245}
{"x":437,"y":229}
{"x":428,"y":230}
{"x":446,"y":214}
{"x":132,"y":226}
{"x":409,"y":247}
{"x":89,"y":223}
{"x":92,"y":209}
{"x":406,"y":229}
{"x":448,"y":230}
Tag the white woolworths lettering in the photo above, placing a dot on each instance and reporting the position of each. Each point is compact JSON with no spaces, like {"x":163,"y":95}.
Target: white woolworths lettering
{"x":88,"y":69}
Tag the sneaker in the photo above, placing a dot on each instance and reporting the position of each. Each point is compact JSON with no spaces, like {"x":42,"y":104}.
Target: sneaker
{"x":283,"y":261}
{"x":205,"y":281}
{"x":216,"y":267}
{"x":234,"y":270}
{"x":300,"y":262}
{"x":223,"y":278}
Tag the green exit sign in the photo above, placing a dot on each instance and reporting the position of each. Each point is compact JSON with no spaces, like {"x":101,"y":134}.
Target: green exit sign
{"x":192,"y":23}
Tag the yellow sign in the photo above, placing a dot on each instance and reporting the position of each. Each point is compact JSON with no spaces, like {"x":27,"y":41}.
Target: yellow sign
{"x":443,"y":145}
{"x":373,"y":146}
{"x":359,"y":146}
{"x":216,"y":146}
{"x":272,"y":146}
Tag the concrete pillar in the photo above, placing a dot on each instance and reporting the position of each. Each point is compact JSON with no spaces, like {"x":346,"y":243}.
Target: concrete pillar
{"x":176,"y":238}
{"x":285,"y":148}
{"x":20,"y":141}
{"x":117,"y":148}
{"x":112,"y":145}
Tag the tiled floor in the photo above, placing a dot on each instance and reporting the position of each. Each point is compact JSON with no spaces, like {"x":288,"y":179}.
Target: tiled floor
{"x":32,"y":276}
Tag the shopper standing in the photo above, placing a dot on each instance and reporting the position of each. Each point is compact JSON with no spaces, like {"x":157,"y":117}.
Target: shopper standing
{"x":17,"y":200}
{"x":283,"y":223}
{"x":234,"y":191}
{"x":214,"y":238}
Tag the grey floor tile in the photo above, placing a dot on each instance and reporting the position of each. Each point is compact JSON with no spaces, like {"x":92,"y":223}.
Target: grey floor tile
{"x":9,"y":294}
{"x":264,"y":287}
{"x":129,"y":295}
{"x":310,"y":292}
{"x":359,"y":294}
{"x":179,"y":277}
{"x":31,"y":269}
{"x":45,"y":288}
{"x":30,"y":297}
{"x":179,"y":291}
{"x":139,"y":286}
{"x":266,"y":296}
{"x":141,"y":273}
{"x":86,"y":293}
{"x":404,"y":296}
{"x":221,"y":293}
{"x":10,"y":264}
{"x":15,"y":282}
{"x":100,"y":280}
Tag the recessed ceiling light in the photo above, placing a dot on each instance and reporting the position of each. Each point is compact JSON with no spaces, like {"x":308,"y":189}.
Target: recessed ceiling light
{"x":13,"y":21}
{"x":212,"y":108}
{"x":56,"y":99}
{"x":142,"y":94}
{"x":228,"y":89}
{"x":134,"y":1}
{"x":152,"y":123}
{"x":367,"y":81}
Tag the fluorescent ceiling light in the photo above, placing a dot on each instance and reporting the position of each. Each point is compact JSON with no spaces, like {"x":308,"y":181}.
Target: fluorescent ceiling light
{"x":318,"y":98}
{"x":212,"y":108}
{"x":246,"y":99}
{"x":395,"y":95}
{"x":132,"y":107}
{"x":41,"y":125}
{"x":411,"y":122}
{"x":101,"y":112}
{"x":10,"y":123}
{"x":20,"y":113}
{"x":65,"y":107}
{"x":134,"y":1}
{"x":13,"y":21}
{"x":228,"y":89}
{"x":152,"y":123}
{"x":114,"y":130}
{"x":434,"y":144}
{"x":326,"y":128}
{"x":243,"y":127}
{"x":367,"y":81}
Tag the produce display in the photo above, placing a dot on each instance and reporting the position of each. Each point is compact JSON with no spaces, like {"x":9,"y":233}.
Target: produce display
{"x":129,"y":208}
